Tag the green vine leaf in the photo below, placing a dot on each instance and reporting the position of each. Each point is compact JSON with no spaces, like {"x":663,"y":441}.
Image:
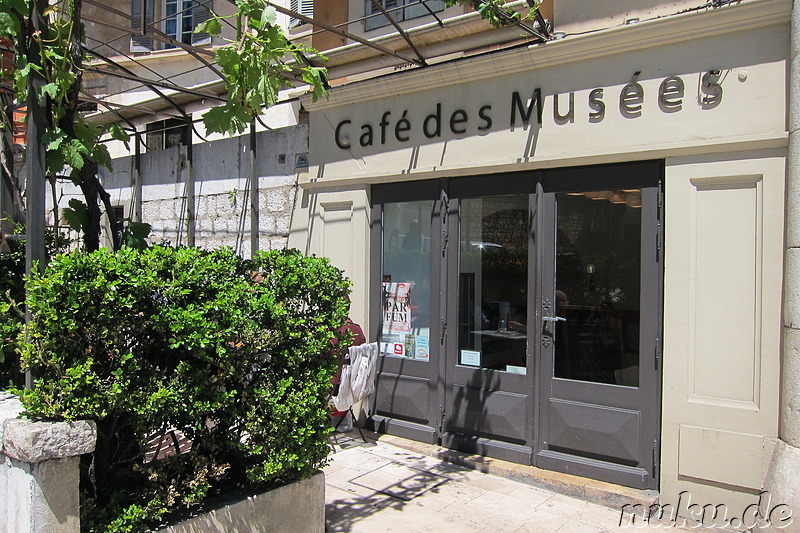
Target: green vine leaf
{"x":256,"y":68}
{"x":118,"y":133}
{"x":317,"y":78}
{"x":74,"y":152}
{"x":52,"y":139}
{"x":212,"y":27}
{"x":135,"y":234}
{"x":269,"y":15}
{"x":101,"y":156}
{"x":495,"y":11}
{"x":9,"y":25}
{"x":76,"y":214}
{"x":51,"y":90}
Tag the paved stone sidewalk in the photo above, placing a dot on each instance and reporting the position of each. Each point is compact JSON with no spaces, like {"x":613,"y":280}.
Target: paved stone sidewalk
{"x":377,"y":487}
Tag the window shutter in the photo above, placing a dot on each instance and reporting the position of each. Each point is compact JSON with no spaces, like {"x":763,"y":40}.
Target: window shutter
{"x":307,"y":8}
{"x":140,"y":43}
{"x":201,"y":12}
{"x":304,"y":7}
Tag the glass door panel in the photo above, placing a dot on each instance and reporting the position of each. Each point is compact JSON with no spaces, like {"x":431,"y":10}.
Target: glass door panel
{"x":598,"y":275}
{"x":406,"y":285}
{"x":493,"y":283}
{"x":488,"y":382}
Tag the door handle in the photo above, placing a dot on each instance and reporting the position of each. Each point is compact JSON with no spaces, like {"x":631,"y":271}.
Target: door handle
{"x":549,"y":336}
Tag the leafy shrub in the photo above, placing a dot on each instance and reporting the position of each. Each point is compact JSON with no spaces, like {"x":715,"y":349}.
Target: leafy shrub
{"x":12,"y":316}
{"x":12,"y":296}
{"x":145,"y":340}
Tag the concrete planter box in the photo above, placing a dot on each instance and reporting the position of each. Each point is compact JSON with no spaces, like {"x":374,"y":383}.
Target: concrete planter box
{"x":297,"y":507}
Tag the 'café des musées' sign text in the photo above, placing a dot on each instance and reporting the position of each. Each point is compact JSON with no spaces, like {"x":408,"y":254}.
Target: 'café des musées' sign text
{"x":671,"y":93}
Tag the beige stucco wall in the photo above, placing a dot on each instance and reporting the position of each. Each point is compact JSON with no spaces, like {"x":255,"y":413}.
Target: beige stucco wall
{"x":576,"y":16}
{"x":725,"y":169}
{"x":336,"y":225}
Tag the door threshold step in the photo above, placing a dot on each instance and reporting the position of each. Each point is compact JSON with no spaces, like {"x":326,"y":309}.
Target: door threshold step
{"x":599,"y":492}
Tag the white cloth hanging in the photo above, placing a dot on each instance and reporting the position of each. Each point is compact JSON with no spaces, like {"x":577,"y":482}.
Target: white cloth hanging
{"x":344,"y":400}
{"x":358,"y":378}
{"x":362,"y":378}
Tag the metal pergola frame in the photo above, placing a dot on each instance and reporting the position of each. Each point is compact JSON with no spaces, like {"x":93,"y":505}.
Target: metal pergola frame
{"x":172,"y":95}
{"x":204,"y":54}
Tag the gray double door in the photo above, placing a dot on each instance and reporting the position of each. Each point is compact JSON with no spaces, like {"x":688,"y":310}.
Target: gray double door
{"x":520,"y":317}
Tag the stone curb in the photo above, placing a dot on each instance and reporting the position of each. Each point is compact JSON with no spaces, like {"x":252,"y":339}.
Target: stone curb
{"x":34,"y":442}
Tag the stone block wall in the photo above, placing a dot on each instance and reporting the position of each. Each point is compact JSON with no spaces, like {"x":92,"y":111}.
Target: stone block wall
{"x":221,"y":171}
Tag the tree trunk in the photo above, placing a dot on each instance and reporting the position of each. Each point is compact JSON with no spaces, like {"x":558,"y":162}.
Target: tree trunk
{"x":89,"y":187}
{"x":93,"y":191}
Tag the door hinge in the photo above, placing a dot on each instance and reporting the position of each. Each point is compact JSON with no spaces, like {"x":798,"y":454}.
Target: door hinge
{"x":658,"y":241}
{"x":655,"y":457}
{"x":657,"y":353}
{"x":440,"y":428}
{"x":443,"y":329}
{"x":445,"y":232}
{"x":659,"y":218}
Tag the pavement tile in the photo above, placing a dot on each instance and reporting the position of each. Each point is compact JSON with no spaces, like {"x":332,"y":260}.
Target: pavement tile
{"x":507,"y":506}
{"x":413,"y":518}
{"x":342,"y":480}
{"x":343,"y":508}
{"x":543,"y":522}
{"x":574,"y":502}
{"x":500,"y":485}
{"x":399,"y":481}
{"x":348,"y":458}
{"x":564,"y":505}
{"x":530,"y":495}
{"x":397,"y":454}
{"x":422,"y":462}
{"x":451,"y":493}
{"x":601,"y":517}
{"x":370,"y":463}
{"x":481,"y":517}
{"x":576,"y":526}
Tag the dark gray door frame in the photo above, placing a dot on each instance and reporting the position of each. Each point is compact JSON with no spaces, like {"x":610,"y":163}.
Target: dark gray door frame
{"x":575,"y":394}
{"x":396,"y":418}
{"x":497,"y":390}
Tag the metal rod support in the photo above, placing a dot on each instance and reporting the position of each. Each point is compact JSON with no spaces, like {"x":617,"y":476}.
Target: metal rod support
{"x":35,"y":165}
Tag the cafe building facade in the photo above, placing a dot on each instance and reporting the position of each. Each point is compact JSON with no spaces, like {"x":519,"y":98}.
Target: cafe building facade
{"x":571,"y":253}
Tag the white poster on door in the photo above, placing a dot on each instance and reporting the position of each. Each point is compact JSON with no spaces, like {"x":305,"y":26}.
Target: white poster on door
{"x":396,"y":308}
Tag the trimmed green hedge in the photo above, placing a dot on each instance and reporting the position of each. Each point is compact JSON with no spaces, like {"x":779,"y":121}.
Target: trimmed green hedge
{"x":166,"y":337}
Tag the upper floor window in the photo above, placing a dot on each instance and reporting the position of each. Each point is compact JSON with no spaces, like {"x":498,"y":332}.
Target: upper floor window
{"x":176,"y":18}
{"x":168,"y":133}
{"x":182,"y":17}
{"x":399,"y":10}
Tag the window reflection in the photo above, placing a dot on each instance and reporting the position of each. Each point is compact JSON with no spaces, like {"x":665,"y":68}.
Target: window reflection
{"x":598,"y":269}
{"x":493,"y":283}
